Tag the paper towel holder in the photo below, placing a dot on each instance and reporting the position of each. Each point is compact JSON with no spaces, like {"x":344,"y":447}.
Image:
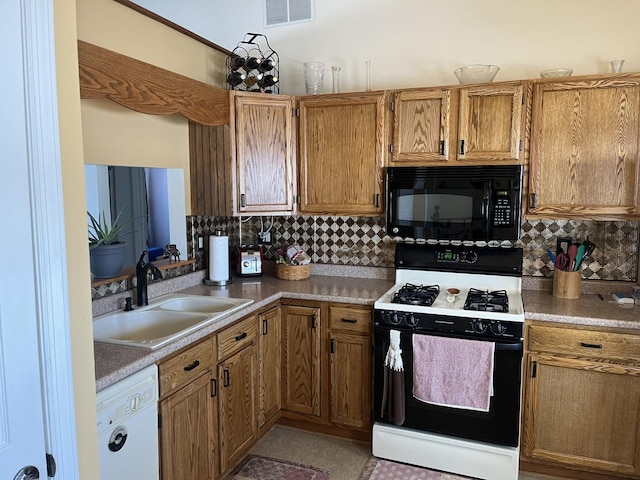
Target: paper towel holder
{"x":217,"y":283}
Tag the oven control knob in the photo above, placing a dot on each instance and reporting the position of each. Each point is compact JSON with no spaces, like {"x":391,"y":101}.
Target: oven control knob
{"x":479,"y":326}
{"x":471,"y":257}
{"x":394,"y":318}
{"x":411,"y":320}
{"x":498,"y":329}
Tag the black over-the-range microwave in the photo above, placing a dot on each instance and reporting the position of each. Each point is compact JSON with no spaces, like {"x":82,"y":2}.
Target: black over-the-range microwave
{"x":466,"y":203}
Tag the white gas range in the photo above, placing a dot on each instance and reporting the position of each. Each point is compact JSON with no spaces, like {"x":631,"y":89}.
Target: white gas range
{"x":464,"y":293}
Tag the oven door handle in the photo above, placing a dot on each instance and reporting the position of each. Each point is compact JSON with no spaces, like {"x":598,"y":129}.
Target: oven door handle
{"x":515,"y":344}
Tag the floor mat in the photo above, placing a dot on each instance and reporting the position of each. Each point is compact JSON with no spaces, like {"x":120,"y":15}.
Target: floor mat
{"x":378,"y":469}
{"x":263,"y":468}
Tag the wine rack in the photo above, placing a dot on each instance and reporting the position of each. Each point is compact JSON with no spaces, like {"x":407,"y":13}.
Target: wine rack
{"x":253,"y":66}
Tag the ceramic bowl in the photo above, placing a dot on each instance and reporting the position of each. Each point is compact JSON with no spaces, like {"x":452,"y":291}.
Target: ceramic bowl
{"x":556,"y":72}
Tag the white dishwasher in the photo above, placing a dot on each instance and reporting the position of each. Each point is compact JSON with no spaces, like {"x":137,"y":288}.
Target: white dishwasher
{"x":128,"y":427}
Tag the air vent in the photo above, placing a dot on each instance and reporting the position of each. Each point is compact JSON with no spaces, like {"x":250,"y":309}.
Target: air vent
{"x":283,"y":12}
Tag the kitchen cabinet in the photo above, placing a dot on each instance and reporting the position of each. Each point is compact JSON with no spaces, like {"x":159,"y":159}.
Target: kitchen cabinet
{"x":188,"y":414}
{"x":237,"y":393}
{"x":301,"y":334}
{"x":585,"y":158}
{"x":341,"y":154}
{"x":265,"y":174}
{"x":582,"y":400}
{"x":350,"y":365}
{"x":248,"y":166}
{"x":269,"y":366}
{"x":472,"y":125}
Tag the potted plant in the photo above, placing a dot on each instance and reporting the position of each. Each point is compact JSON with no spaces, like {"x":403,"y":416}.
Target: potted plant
{"x":106,"y":250}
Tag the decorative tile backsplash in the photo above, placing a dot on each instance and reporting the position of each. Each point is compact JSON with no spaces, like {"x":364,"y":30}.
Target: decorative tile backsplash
{"x":362,"y":241}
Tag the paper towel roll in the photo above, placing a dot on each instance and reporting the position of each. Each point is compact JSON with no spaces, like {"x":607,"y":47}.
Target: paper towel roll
{"x":218,"y":258}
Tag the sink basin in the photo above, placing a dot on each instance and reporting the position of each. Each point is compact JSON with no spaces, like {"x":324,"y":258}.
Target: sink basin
{"x":164,"y":320}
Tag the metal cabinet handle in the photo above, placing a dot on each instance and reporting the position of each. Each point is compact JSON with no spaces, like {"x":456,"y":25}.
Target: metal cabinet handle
{"x":313,"y":321}
{"x":377,"y":200}
{"x":227,"y":378}
{"x":461,"y":147}
{"x":265,"y":327}
{"x":243,"y":200}
{"x":533,"y":200}
{"x":191,"y":366}
{"x":214,"y":387}
{"x":333,"y":346}
{"x":590,"y":345}
{"x":241,"y":336}
{"x":349,"y":320}
{"x":441,"y":147}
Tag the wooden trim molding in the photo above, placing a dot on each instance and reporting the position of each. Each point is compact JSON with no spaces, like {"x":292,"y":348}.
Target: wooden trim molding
{"x":146,"y":88}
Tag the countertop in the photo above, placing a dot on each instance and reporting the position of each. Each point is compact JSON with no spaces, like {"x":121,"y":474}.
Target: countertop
{"x":114,"y":362}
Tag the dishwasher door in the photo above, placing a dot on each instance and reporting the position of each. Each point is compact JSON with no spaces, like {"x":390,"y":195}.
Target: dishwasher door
{"x":128,"y":427}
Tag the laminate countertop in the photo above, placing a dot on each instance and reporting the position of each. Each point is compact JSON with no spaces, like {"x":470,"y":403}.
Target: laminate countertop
{"x":115,"y":362}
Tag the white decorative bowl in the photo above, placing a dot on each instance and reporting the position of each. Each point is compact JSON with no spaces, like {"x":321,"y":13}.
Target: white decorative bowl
{"x":556,"y":72}
{"x":476,"y":73}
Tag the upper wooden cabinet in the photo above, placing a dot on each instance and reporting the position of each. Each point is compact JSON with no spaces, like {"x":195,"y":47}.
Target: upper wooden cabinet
{"x":264,"y":166}
{"x":476,"y":124}
{"x":585,"y":156}
{"x":341,"y":154}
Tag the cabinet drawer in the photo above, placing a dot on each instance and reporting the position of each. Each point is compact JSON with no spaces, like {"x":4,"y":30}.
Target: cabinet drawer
{"x":350,"y":318}
{"x":236,"y":337}
{"x":186,"y":366}
{"x":584,"y":343}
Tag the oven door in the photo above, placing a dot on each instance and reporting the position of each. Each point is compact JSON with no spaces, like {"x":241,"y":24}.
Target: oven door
{"x":500,"y":425}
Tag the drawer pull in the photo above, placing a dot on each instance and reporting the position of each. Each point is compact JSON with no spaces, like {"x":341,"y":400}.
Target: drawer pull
{"x":590,"y":345}
{"x":349,"y":320}
{"x":191,"y":366}
{"x":241,"y":336}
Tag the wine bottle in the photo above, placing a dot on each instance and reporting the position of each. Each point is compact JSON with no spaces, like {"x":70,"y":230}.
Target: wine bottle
{"x":235,"y":78}
{"x":252,"y":79}
{"x":251,"y":63}
{"x":266,"y":65}
{"x":236,"y":62}
{"x":267,"y":81}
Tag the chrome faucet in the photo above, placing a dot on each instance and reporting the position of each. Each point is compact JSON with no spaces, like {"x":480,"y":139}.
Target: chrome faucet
{"x":142,"y":269}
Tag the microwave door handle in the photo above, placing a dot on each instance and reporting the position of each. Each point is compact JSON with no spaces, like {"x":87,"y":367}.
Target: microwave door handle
{"x":485,"y":209}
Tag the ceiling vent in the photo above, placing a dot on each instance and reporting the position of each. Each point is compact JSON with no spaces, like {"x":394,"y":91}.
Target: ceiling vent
{"x":284,"y":12}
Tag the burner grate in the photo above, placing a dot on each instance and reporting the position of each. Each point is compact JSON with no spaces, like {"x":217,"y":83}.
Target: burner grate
{"x":410,"y":294}
{"x":486,"y":300}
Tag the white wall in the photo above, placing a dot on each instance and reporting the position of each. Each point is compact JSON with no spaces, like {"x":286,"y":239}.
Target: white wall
{"x":420,"y":42}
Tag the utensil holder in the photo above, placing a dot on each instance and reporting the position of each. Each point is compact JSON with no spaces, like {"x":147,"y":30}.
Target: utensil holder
{"x":567,"y":284}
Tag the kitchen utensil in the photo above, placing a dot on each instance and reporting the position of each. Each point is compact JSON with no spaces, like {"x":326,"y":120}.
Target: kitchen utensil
{"x":579,"y":257}
{"x":562,"y":244}
{"x":572,"y":252}
{"x":562,"y":261}
{"x":589,"y":247}
{"x":552,"y":257}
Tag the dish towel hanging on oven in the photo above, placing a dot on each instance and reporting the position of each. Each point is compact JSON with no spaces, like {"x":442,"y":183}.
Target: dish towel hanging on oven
{"x":393,"y":385}
{"x":453,"y":372}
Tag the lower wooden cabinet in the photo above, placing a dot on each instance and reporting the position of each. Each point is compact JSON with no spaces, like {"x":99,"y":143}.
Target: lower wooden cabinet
{"x":188,"y":415}
{"x":269,"y":366}
{"x":301,"y":327}
{"x":351,"y":366}
{"x":582,"y":400}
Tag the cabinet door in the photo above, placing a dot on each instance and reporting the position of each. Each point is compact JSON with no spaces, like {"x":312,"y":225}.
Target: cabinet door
{"x":301,"y":360}
{"x":422,"y":127}
{"x":584,"y":148}
{"x":351,"y":378}
{"x":269,"y":345}
{"x":341,"y":154}
{"x":265,"y":174}
{"x":583,"y":414}
{"x":189,"y":431}
{"x":238,"y":426}
{"x":490,"y":122}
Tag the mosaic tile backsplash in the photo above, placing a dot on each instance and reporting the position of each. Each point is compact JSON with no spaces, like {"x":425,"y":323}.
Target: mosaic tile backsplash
{"x":361,"y":241}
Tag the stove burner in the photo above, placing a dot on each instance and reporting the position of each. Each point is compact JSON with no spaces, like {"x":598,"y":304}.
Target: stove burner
{"x":488,"y":301}
{"x":416,"y":294}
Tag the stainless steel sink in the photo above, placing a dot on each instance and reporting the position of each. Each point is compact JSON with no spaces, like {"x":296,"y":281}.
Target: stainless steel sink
{"x":163,"y":320}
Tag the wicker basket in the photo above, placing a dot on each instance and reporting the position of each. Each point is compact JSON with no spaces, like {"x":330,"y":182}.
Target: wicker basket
{"x":285,"y":271}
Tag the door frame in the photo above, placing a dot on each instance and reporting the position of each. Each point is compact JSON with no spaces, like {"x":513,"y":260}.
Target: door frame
{"x":47,"y":220}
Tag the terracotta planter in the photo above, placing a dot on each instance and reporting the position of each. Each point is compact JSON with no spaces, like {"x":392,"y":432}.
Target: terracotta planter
{"x":107,"y":260}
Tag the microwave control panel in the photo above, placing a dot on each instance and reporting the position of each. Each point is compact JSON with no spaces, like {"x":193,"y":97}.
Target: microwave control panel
{"x":502,"y":215}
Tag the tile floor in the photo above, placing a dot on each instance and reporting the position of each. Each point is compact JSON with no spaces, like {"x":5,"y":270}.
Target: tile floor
{"x":344,"y":459}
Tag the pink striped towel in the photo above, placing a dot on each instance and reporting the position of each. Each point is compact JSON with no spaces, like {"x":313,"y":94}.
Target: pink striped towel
{"x":453,"y":372}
